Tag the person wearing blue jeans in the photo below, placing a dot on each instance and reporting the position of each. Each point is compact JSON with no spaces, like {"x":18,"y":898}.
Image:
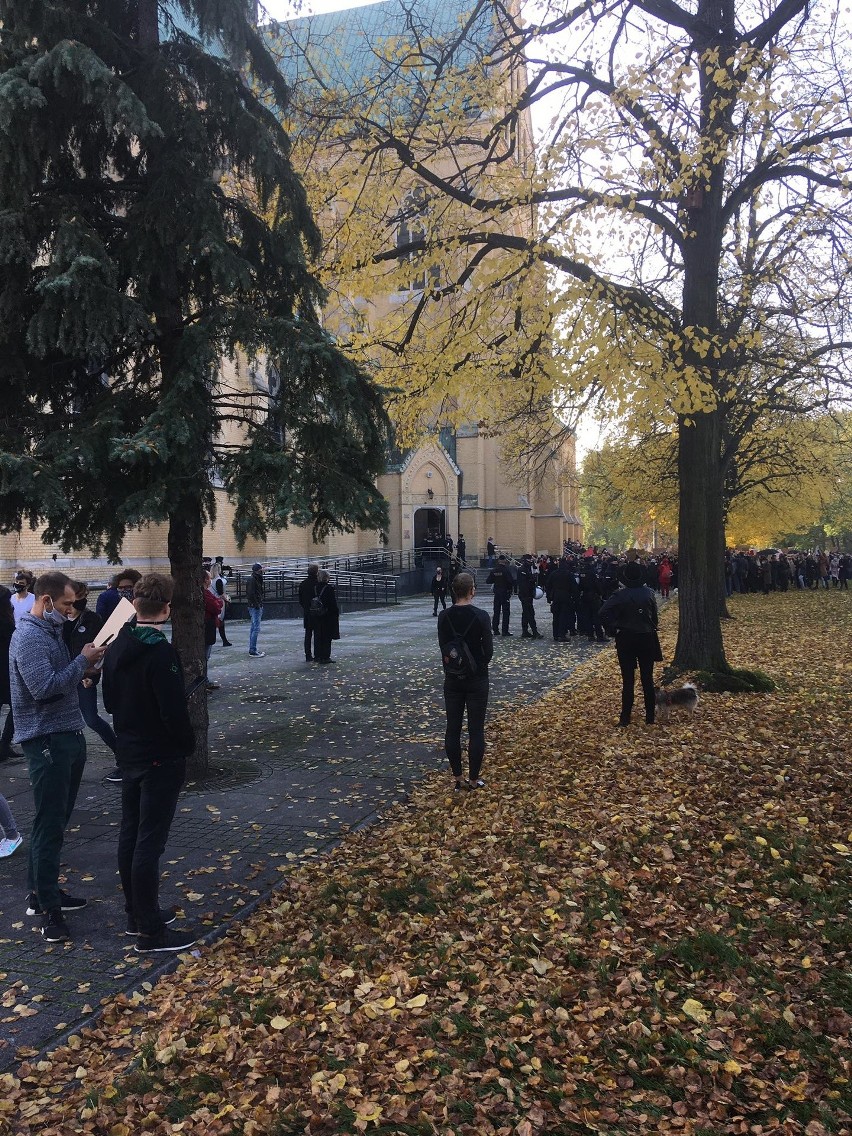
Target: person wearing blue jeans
{"x":49,"y":726}
{"x":255,"y":597}
{"x":77,"y":631}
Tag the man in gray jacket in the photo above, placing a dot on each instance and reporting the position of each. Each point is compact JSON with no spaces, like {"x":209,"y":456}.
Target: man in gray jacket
{"x":49,"y":727}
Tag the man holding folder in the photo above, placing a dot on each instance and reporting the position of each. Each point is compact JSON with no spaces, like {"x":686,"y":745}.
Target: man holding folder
{"x":49,"y":727}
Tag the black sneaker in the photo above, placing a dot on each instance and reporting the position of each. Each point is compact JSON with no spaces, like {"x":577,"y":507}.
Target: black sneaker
{"x":114,"y":776}
{"x":168,"y":917}
{"x":66,"y":902}
{"x":54,"y":929}
{"x":165,"y":940}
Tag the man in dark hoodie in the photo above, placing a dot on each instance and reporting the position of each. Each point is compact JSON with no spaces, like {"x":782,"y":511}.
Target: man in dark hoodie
{"x":144,"y":692}
{"x":43,"y":679}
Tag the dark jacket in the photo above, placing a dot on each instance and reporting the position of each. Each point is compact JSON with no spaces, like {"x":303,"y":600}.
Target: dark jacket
{"x":501,"y":577}
{"x":630,"y":609}
{"x":327,"y":625}
{"x":561,"y":586}
{"x":80,"y":631}
{"x":474,"y":626}
{"x":107,"y":603}
{"x":591,"y":593}
{"x":439,"y":585}
{"x":526,"y":581}
{"x":6,"y":632}
{"x":255,"y":590}
{"x":307,"y":591}
{"x":144,"y":692}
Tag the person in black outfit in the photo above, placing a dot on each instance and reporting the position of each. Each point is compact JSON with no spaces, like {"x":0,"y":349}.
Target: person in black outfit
{"x":307,"y":591}
{"x":7,"y":627}
{"x":461,"y":549}
{"x":326,"y":623}
{"x":438,"y":588}
{"x":632,"y":612}
{"x":501,"y":577}
{"x":144,"y":692}
{"x":470,"y":623}
{"x":561,"y":590}
{"x":591,"y":599}
{"x":526,"y":594}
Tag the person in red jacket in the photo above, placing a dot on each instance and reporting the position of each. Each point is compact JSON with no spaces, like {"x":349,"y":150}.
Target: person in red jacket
{"x":664,"y":576}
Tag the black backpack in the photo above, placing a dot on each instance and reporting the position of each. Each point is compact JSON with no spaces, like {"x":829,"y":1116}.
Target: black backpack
{"x":317,"y":608}
{"x":456,"y":655}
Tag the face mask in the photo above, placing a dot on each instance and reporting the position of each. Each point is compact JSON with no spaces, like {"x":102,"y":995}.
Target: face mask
{"x":80,"y":605}
{"x":54,"y":616}
{"x":127,"y":593}
{"x":20,"y":587}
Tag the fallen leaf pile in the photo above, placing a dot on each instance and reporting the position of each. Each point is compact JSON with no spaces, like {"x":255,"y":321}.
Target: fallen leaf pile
{"x":627,"y":931}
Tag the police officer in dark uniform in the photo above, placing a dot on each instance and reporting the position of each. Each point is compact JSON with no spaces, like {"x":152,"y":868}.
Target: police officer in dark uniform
{"x":527,"y":576}
{"x":501,"y":577}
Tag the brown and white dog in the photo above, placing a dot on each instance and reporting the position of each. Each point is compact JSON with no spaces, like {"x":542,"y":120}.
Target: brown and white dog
{"x":686,"y":696}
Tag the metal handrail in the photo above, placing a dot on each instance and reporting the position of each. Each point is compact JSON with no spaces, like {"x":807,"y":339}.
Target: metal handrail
{"x":351,"y":587}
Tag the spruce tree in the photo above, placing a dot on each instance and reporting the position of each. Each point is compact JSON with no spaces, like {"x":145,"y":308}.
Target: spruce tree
{"x":152,"y":225}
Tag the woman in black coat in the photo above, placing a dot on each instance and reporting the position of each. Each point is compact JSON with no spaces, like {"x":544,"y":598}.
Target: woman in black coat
{"x":326,"y":621}
{"x":632,"y":612}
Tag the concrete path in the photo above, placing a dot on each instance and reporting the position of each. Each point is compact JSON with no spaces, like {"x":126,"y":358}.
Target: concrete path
{"x":300,"y":755}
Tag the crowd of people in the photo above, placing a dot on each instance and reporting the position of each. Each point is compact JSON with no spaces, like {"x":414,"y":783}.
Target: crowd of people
{"x":775,"y":571}
{"x":53,"y":670}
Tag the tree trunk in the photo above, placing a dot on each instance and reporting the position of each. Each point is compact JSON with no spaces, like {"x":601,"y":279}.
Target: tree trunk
{"x":186,"y":532}
{"x":700,"y":546}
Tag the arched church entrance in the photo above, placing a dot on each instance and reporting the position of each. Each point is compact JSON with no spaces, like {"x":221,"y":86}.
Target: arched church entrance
{"x":430,"y":527}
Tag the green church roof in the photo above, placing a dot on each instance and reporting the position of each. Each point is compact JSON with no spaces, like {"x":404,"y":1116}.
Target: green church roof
{"x":347,"y":48}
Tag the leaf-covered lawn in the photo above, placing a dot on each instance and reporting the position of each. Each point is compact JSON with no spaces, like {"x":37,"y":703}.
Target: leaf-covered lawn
{"x":627,"y":931}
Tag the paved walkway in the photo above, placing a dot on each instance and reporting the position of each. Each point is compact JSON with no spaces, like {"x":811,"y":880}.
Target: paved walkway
{"x":300,"y":754}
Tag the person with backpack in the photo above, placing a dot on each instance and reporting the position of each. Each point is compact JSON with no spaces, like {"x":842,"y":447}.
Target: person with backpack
{"x":325,"y":616}
{"x":467,"y":647}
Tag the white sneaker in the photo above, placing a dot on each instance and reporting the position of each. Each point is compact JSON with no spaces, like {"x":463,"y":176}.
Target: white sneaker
{"x":9,"y":844}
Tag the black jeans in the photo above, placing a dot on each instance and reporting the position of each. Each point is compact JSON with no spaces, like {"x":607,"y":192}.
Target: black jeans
{"x":322,"y":640}
{"x":472,"y":695}
{"x":564,"y":618}
{"x":636,"y":649}
{"x":8,"y":731}
{"x":501,"y":607}
{"x":310,"y":636}
{"x":56,"y":763}
{"x":528,"y":616}
{"x":149,"y":797}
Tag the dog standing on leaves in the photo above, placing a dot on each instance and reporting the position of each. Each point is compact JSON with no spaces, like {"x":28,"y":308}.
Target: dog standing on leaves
{"x":686,"y":698}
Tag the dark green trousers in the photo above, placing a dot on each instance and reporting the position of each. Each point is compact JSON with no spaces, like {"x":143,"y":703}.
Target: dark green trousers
{"x":56,"y":764}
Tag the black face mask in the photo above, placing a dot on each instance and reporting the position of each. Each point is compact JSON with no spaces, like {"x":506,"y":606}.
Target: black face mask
{"x":20,"y":587}
{"x":80,"y":605}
